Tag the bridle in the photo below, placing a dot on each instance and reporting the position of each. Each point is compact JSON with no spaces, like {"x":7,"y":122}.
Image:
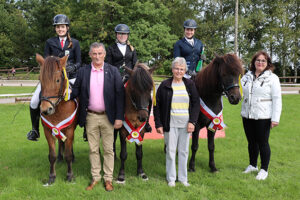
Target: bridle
{"x":135,"y":105}
{"x":60,"y":95}
{"x":226,"y":89}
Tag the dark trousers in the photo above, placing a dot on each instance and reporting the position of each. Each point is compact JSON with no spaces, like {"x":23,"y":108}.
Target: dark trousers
{"x":257,"y":133}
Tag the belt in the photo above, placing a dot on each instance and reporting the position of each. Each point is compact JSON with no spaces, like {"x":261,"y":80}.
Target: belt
{"x":265,"y":99}
{"x":97,"y":113}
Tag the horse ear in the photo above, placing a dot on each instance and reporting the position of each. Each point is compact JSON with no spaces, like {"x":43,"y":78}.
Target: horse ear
{"x":39,"y":59}
{"x":152,"y":69}
{"x":128,"y":70}
{"x":63,"y":61}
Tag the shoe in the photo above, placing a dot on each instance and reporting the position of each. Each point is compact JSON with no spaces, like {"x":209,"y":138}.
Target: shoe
{"x":262,"y":175}
{"x":92,"y":185}
{"x":108,"y":186}
{"x":249,"y":169}
{"x":34,"y":134}
{"x":171,"y":184}
{"x":186,"y":184}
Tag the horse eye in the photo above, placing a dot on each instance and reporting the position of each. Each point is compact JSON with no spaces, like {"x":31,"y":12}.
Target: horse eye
{"x":57,"y":81}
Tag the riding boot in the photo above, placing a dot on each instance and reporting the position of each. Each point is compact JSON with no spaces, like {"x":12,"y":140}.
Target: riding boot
{"x":35,"y":121}
{"x":84,"y":134}
{"x":148,"y":128}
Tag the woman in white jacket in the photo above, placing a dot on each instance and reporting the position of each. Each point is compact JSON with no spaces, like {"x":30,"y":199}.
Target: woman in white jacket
{"x":261,"y":109}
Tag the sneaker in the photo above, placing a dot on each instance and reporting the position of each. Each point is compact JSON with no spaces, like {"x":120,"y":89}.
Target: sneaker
{"x":171,"y":184}
{"x":186,"y":184}
{"x":249,"y":169}
{"x":262,"y":175}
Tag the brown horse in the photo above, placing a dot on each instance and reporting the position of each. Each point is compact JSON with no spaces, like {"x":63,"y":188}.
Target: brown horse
{"x":220,"y":77}
{"x":137,"y":97}
{"x":59,"y":117}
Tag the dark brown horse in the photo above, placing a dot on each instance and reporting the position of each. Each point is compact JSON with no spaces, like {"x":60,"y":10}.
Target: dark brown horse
{"x":137,"y":97}
{"x":220,"y":77}
{"x":59,"y":117}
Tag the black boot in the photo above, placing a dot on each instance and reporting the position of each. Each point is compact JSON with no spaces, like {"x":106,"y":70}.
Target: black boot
{"x":35,"y":121}
{"x":84,"y":134}
{"x":148,"y":128}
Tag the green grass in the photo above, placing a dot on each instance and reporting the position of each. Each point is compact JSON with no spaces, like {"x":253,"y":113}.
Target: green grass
{"x":24,"y":164}
{"x":16,"y":90}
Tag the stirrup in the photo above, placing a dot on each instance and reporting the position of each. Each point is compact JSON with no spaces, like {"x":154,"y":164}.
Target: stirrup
{"x":33,"y":135}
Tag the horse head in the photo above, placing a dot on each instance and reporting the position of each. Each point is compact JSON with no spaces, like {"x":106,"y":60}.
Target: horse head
{"x":221,"y":76}
{"x":53,"y":82}
{"x":139,"y":88}
{"x":230,"y":73}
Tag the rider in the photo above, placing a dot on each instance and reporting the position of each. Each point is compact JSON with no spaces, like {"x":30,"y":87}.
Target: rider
{"x":120,"y":54}
{"x":59,"y":46}
{"x":189,"y":47}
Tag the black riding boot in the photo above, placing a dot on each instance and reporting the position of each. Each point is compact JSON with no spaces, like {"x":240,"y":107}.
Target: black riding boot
{"x":84,"y":134}
{"x":35,"y":121}
{"x":148,"y":128}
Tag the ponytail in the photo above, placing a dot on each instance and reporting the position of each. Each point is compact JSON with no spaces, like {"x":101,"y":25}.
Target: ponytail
{"x":131,"y":47}
{"x":70,"y":40}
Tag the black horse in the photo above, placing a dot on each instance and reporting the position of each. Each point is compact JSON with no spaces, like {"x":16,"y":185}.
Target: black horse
{"x":137,"y":97}
{"x":220,"y":77}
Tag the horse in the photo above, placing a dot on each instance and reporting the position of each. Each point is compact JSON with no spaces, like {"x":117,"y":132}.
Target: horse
{"x":220,"y":77}
{"x":59,"y":115}
{"x":137,"y":97}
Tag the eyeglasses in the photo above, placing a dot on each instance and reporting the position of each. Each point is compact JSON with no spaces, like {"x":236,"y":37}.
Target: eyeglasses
{"x":260,"y":61}
{"x":179,"y":69}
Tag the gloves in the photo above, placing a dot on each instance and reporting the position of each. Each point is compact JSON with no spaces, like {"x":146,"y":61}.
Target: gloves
{"x":71,"y":68}
{"x":203,"y":57}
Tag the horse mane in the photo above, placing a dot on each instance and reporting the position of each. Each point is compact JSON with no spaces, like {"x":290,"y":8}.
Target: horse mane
{"x":51,"y":64}
{"x":141,"y":79}
{"x":209,"y":78}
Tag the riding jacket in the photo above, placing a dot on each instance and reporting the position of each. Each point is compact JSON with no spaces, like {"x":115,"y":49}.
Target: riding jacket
{"x":192,"y":54}
{"x":53,"y":48}
{"x":113,"y":93}
{"x":116,"y":58}
{"x":262,"y":96}
{"x":164,"y":99}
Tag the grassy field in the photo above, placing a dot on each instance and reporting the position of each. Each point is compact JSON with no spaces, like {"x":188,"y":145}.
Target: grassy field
{"x":16,"y":90}
{"x":24,"y":164}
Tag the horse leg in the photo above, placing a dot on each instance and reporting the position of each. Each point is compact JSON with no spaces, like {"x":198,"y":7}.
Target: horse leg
{"x":61,"y":148}
{"x":115,"y":139}
{"x":69,"y":157}
{"x":139,"y":159}
{"x":194,"y":148}
{"x":123,"y":157}
{"x":51,"y":157}
{"x":211,"y":150}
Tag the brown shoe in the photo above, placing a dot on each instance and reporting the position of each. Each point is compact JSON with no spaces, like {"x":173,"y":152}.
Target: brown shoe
{"x":108,"y":186}
{"x":92,"y":185}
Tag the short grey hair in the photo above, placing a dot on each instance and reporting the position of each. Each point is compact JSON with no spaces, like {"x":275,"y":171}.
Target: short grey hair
{"x":97,"y":45}
{"x":179,"y":61}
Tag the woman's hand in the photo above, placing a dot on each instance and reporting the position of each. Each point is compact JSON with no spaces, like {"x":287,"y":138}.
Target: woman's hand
{"x":190,"y":127}
{"x":273,"y":124}
{"x":160,"y":130}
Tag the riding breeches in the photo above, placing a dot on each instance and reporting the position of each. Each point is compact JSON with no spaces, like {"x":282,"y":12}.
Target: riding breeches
{"x":35,"y":99}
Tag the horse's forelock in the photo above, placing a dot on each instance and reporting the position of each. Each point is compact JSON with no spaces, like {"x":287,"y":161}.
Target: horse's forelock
{"x":141,"y":78}
{"x":50,"y":66}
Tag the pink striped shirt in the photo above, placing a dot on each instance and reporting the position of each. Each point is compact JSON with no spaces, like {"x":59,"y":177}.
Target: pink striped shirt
{"x":96,"y":102}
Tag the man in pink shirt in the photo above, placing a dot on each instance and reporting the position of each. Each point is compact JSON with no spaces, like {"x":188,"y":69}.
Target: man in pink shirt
{"x":101,"y":95}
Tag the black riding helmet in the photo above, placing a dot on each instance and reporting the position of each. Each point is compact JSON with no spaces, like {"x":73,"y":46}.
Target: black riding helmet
{"x":122,"y":28}
{"x":190,"y":23}
{"x":61,"y":19}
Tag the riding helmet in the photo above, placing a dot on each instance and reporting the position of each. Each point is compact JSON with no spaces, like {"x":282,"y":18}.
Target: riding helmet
{"x":122,"y":28}
{"x":190,"y":23}
{"x":61,"y":19}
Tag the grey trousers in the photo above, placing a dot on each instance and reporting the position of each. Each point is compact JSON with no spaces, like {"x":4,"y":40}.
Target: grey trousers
{"x":177,"y":139}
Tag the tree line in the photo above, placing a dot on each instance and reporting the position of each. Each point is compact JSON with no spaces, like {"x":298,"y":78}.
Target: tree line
{"x":155,"y":27}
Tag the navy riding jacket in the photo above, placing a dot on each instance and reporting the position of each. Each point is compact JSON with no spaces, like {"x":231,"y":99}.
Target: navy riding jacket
{"x":53,"y":48}
{"x":183,"y":48}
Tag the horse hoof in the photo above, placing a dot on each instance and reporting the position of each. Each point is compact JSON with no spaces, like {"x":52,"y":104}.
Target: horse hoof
{"x":70,"y":178}
{"x":50,"y":181}
{"x":214,"y":170}
{"x":121,"y":179}
{"x":144,"y":176}
{"x":191,"y":170}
